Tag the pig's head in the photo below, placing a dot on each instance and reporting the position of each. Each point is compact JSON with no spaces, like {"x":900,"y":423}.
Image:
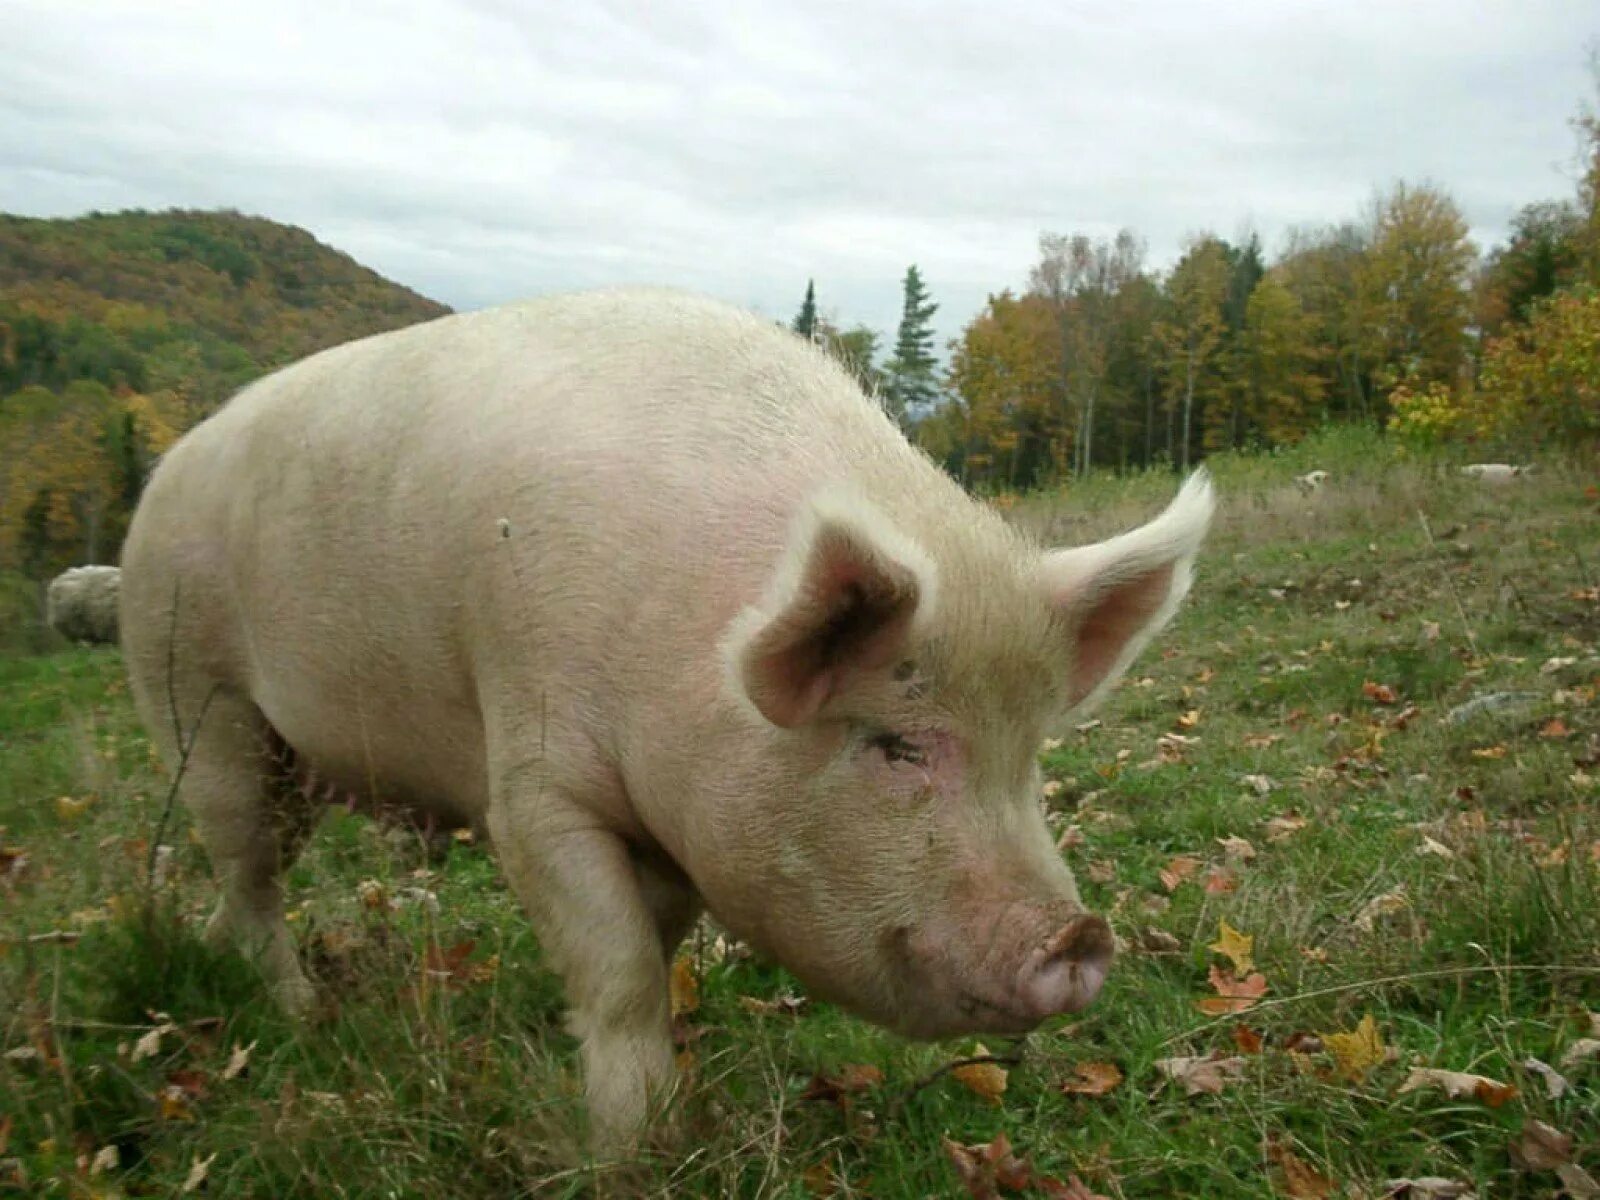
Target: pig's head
{"x":889,"y":845}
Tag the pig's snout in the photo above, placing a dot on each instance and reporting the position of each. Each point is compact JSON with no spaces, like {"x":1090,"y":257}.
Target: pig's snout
{"x":1065,"y":973}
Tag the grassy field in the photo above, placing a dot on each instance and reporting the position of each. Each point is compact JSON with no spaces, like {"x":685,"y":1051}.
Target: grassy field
{"x":1280,"y":761}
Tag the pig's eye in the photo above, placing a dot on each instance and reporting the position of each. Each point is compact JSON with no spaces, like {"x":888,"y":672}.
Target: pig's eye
{"x":895,"y":748}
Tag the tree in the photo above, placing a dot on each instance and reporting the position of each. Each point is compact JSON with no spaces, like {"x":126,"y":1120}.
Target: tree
{"x":1191,"y":331}
{"x":805,"y":321}
{"x":1004,"y":425}
{"x":1324,"y":270}
{"x":1281,"y":389}
{"x":1415,"y":279}
{"x":1543,"y":253}
{"x":1083,"y":281}
{"x":911,"y":386}
{"x":856,"y":349}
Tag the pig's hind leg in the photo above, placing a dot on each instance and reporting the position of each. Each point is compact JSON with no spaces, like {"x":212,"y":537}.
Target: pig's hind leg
{"x":253,"y":822}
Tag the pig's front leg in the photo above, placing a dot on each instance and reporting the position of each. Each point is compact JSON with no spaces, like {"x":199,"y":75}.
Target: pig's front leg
{"x":580,"y":888}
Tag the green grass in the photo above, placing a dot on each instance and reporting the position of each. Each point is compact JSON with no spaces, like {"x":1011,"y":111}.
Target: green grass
{"x":1398,"y":574}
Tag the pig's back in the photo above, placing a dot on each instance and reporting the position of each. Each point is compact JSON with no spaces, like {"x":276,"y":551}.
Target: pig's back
{"x":569,"y":497}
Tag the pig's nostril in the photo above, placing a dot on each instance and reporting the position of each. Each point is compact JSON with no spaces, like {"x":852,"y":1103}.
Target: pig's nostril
{"x":1065,"y":974}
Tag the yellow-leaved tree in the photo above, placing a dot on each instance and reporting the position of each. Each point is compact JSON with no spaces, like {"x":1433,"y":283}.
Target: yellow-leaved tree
{"x":1005,"y":425}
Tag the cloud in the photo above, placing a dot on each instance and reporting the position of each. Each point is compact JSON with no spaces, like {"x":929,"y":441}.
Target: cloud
{"x":482,"y":150}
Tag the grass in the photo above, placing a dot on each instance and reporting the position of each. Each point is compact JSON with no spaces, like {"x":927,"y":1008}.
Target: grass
{"x":439,"y":1066}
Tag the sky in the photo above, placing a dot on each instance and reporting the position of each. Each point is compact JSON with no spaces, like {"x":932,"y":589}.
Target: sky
{"x":486,"y":150}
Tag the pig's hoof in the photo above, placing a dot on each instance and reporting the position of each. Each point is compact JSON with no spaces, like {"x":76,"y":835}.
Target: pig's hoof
{"x":296,"y":997}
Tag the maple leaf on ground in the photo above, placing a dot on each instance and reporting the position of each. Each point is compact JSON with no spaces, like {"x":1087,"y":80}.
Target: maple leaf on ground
{"x":1247,"y":1040}
{"x":1379,"y":693}
{"x":1238,"y":948}
{"x":1234,"y":995}
{"x":1357,"y":1052}
{"x":1300,"y":1180}
{"x":1093,"y":1079}
{"x":1459,"y":1085}
{"x":987,"y":1080}
{"x":851,"y":1079}
{"x":1221,"y":881}
{"x":987,"y":1169}
{"x":1175,"y":872}
{"x":1202,"y":1075}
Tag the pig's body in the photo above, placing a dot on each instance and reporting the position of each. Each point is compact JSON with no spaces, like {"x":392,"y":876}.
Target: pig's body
{"x":522,"y":569}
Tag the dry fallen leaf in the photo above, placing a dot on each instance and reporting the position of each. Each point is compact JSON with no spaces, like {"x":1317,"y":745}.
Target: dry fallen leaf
{"x":820,"y":1179}
{"x":1237,"y":849}
{"x":1554,"y":1081}
{"x":1221,"y":881}
{"x":1179,"y":869}
{"x":1202,"y":1075}
{"x":1540,"y":1147}
{"x":1581,"y":1051}
{"x":70,"y":808}
{"x":1459,"y":1085}
{"x":683,"y":987}
{"x":1379,"y":693}
{"x":1381,"y":906}
{"x":149,"y":1045}
{"x":986,"y":1170}
{"x":1555,"y":727}
{"x":987,"y":1080}
{"x":1238,"y":948}
{"x":1189,"y":719}
{"x":783,"y":1004}
{"x":1300,"y":1180}
{"x":1357,"y":1052}
{"x":1489,"y":752}
{"x":1435,"y":848}
{"x":197,"y":1174}
{"x":1073,"y":1189}
{"x":1093,"y":1079}
{"x":1247,"y":1040}
{"x":1283,"y":826}
{"x":105,"y":1159}
{"x":851,"y":1079}
{"x":1234,"y":995}
{"x":1158,"y":941}
{"x":1427,"y":1187}
{"x":238,"y":1061}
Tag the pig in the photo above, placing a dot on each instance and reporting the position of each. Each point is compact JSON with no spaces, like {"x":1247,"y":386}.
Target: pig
{"x":1311,"y":481}
{"x":651,"y":591}
{"x":1495,"y":472}
{"x":81,"y":604}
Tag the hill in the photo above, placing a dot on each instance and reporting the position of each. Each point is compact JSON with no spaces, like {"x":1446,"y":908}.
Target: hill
{"x":120,"y":330}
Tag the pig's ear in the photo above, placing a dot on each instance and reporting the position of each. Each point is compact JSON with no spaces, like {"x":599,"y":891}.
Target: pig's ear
{"x":1115,"y":596}
{"x":844,"y":600}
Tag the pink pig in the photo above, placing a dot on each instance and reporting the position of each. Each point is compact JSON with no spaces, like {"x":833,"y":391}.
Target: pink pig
{"x":648,"y":589}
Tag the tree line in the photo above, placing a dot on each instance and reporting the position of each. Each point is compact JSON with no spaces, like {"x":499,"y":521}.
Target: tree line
{"x":1391,"y":318}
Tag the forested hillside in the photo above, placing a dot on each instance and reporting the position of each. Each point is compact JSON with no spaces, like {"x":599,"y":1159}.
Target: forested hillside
{"x":118,"y":331}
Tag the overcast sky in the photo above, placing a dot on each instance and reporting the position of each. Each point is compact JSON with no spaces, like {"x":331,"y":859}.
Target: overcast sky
{"x":482,"y":150}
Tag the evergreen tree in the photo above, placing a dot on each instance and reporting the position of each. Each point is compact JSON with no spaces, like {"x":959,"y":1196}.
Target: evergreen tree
{"x":911,"y":387}
{"x":805,"y":322}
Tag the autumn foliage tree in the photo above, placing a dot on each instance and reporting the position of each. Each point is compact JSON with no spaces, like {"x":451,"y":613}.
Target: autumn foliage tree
{"x":1004,"y":425}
